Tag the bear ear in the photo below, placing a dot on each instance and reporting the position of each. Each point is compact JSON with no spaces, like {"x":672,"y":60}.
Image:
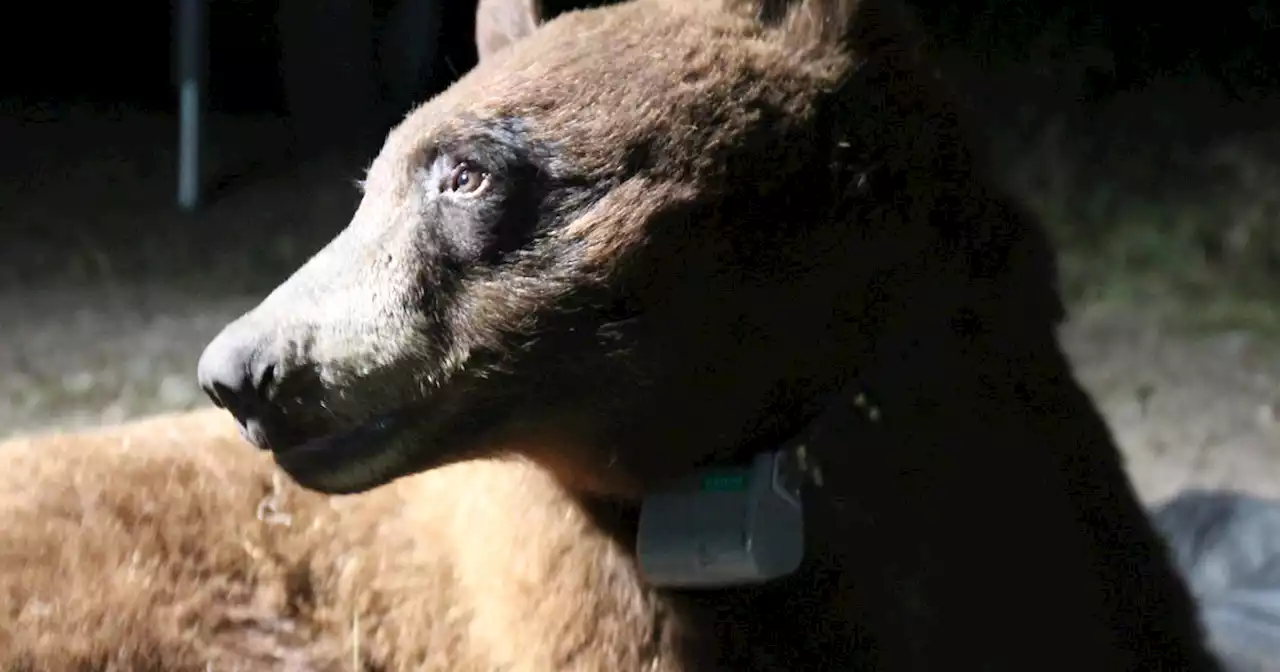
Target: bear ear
{"x":501,"y":22}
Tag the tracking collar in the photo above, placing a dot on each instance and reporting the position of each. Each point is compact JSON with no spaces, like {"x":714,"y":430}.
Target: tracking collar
{"x":743,"y":524}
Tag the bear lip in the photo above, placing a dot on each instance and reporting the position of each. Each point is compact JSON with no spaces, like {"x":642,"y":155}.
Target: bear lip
{"x":347,"y":461}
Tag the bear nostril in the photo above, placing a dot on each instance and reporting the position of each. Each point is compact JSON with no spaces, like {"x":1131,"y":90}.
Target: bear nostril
{"x":238,"y":374}
{"x":218,"y":394}
{"x":263,"y":380}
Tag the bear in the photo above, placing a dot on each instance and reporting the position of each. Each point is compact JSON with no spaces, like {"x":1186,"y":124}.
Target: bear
{"x":631,"y":243}
{"x":646,"y":239}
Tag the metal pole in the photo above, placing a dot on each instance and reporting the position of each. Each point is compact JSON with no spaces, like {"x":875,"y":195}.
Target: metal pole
{"x":191,"y":51}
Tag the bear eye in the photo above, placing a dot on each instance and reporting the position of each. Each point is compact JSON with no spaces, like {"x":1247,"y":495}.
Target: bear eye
{"x":466,"y":179}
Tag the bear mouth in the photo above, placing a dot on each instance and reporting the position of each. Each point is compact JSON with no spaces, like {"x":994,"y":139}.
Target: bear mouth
{"x":347,"y":461}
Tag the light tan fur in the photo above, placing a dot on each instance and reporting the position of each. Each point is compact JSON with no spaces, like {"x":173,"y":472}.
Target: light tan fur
{"x":170,"y":544}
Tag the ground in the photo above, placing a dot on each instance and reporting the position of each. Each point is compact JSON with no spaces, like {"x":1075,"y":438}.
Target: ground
{"x":108,"y":293}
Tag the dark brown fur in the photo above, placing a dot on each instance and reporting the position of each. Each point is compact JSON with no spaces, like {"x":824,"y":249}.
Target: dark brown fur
{"x":696,"y":218}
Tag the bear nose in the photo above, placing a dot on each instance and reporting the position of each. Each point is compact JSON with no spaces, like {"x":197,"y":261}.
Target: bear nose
{"x":238,"y":374}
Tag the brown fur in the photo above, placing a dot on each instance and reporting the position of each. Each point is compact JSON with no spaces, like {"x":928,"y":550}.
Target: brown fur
{"x":690,"y":221}
{"x":169,"y":544}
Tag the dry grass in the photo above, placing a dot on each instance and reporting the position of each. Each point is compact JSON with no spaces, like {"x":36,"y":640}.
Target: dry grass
{"x":109,"y":291}
{"x":1158,"y":206}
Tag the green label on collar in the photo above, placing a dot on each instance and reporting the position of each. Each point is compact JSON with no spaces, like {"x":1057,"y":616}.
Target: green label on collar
{"x":725,"y":481}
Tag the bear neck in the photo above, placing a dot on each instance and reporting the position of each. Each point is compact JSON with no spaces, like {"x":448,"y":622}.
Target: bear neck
{"x":984,"y":519}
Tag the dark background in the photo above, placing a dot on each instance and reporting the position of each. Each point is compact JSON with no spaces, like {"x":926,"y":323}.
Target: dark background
{"x":1138,"y":96}
{"x":121,"y":51}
